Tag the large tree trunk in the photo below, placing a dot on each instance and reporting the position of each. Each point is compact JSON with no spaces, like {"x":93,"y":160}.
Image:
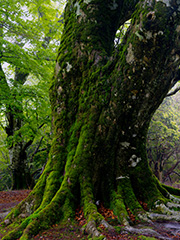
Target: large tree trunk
{"x":102,"y":103}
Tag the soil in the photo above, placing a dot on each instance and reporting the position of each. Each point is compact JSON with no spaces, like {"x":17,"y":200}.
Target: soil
{"x":8,"y":199}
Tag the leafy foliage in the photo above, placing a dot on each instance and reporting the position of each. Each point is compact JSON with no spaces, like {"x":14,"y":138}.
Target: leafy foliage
{"x":29,"y":37}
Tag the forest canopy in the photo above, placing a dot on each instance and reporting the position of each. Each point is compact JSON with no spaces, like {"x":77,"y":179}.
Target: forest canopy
{"x":29,"y":38}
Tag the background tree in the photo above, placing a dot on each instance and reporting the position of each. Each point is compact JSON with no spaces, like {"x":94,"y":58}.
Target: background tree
{"x":163,"y":140}
{"x":5,"y":172}
{"x":102,"y":103}
{"x":29,"y":38}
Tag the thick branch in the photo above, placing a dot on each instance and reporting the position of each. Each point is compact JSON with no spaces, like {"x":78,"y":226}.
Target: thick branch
{"x":173,"y":92}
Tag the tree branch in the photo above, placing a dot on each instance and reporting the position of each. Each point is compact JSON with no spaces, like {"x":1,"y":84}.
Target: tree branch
{"x":37,"y":148}
{"x":176,"y":173}
{"x":31,"y":141}
{"x":171,"y":170}
{"x":173,"y":92}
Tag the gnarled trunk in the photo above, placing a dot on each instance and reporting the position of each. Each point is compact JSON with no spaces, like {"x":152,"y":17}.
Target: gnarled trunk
{"x":102,"y":102}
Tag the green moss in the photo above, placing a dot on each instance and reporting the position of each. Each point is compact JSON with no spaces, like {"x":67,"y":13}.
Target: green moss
{"x":97,"y":238}
{"x":117,"y":204}
{"x":171,"y":190}
{"x":52,"y":185}
{"x":118,"y":229}
{"x":16,"y":212}
{"x":12,"y":236}
{"x":125,"y":189}
{"x":146,"y":238}
{"x":99,"y":229}
{"x":67,"y":210}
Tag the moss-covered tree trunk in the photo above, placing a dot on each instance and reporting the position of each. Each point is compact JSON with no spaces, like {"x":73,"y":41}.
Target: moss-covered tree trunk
{"x":102,"y":102}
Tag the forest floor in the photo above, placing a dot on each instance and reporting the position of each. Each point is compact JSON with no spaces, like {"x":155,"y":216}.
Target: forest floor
{"x":9,"y":199}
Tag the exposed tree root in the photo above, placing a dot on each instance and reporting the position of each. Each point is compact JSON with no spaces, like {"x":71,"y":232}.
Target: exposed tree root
{"x":143,"y":231}
{"x":92,"y":224}
{"x":120,"y":209}
{"x":92,"y":215}
{"x":92,"y":230}
{"x":168,"y":212}
{"x":161,"y":212}
{"x":43,"y":219}
{"x":60,"y":208}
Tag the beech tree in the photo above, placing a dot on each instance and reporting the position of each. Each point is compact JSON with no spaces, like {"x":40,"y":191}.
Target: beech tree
{"x":102,"y":102}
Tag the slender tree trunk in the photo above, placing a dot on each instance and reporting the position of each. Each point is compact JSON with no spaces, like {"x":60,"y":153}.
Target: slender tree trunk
{"x":21,"y":178}
{"x":102,"y":103}
{"x":158,"y":168}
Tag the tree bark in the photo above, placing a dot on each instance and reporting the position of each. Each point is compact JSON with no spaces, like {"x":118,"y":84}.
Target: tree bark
{"x":21,"y":177}
{"x":102,"y":103}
